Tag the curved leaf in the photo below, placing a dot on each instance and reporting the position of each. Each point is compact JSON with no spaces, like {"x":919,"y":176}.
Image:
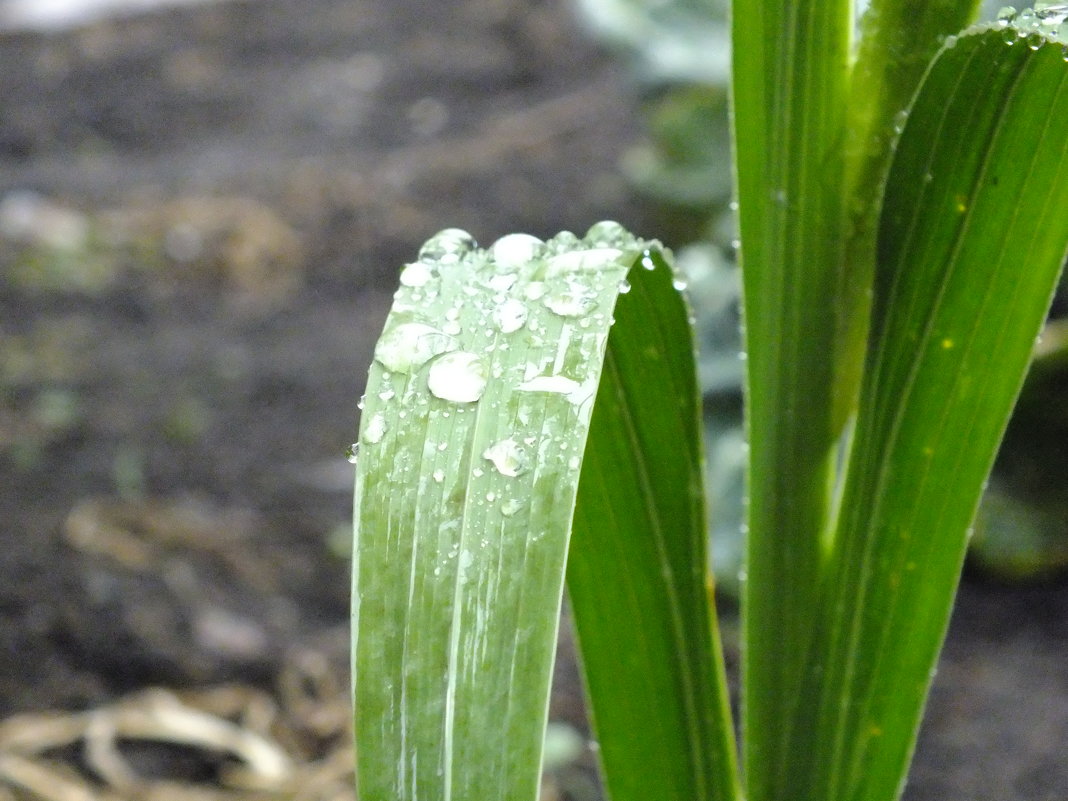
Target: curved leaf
{"x":472,"y":440}
{"x":972,"y":237}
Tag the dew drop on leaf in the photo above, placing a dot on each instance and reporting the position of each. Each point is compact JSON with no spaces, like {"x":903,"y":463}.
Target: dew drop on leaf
{"x":507,"y":456}
{"x":376,"y":429}
{"x":417,"y":274}
{"x":556,"y":384}
{"x":515,"y":250}
{"x":510,"y":316}
{"x":510,"y":507}
{"x":459,"y":377}
{"x":447,"y":246}
{"x":574,"y":300}
{"x":352,"y":453}
{"x":407,"y":346}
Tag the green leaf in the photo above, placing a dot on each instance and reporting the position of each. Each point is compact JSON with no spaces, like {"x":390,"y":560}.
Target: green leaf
{"x":790,"y":90}
{"x":972,"y":236}
{"x":638,"y":571}
{"x":899,"y":38}
{"x":472,"y":440}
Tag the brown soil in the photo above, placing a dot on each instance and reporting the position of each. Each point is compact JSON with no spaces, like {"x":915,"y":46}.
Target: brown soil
{"x":226,"y":193}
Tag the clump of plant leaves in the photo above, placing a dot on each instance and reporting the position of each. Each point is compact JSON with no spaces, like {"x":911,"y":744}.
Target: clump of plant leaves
{"x":533,"y":413}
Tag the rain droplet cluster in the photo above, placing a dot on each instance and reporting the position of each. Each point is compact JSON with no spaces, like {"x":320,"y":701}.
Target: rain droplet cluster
{"x":490,"y":359}
{"x":1045,"y":23}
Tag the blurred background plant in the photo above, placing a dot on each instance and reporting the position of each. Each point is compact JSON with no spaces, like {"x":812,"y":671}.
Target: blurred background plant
{"x":678,"y":53}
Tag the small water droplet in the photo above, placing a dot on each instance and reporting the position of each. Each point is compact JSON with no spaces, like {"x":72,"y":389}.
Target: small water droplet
{"x":417,"y":274}
{"x":1008,"y":36}
{"x":899,"y":121}
{"x":459,"y":377}
{"x":950,"y":42}
{"x":573,"y":463}
{"x":501,"y":282}
{"x":510,"y":507}
{"x":443,"y":446}
{"x":439,"y":475}
{"x":624,"y":287}
{"x":1006,"y":14}
{"x":510,"y":316}
{"x":679,"y":283}
{"x":576,"y":261}
{"x":406,"y":346}
{"x":361,"y":402}
{"x":535,"y":290}
{"x":574,"y":300}
{"x":608,"y":233}
{"x":647,"y":261}
{"x":515,"y":250}
{"x":386,"y":394}
{"x":376,"y":429}
{"x":447,"y":246}
{"x":352,"y":453}
{"x":491,"y":496}
{"x":507,"y":456}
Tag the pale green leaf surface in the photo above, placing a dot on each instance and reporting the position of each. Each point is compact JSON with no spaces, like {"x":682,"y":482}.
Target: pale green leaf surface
{"x":472,"y":440}
{"x":790,"y":92}
{"x":972,"y":237}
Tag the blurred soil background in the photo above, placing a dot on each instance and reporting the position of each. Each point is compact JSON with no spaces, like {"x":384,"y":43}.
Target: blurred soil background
{"x":202,"y":213}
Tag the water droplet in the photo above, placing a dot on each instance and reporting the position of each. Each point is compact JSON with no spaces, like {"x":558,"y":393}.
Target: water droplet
{"x":647,"y":261}
{"x":386,"y":394}
{"x":556,"y":384}
{"x":577,"y":261}
{"x":361,"y":402}
{"x":535,"y":290}
{"x":376,"y":429}
{"x":899,"y":121}
{"x":1006,"y":14}
{"x":439,"y":475}
{"x":447,"y":246}
{"x":407,"y":346}
{"x":510,"y":316}
{"x":491,"y":496}
{"x":510,"y":507}
{"x":950,"y":42}
{"x":352,"y":453}
{"x":1035,"y":41}
{"x":501,"y":282}
{"x":507,"y":456}
{"x":573,"y":463}
{"x":1008,"y":36}
{"x":608,"y":233}
{"x":417,"y":274}
{"x":624,"y":287}
{"x":459,"y":377}
{"x":679,"y":283}
{"x":515,"y":250}
{"x":574,"y":300}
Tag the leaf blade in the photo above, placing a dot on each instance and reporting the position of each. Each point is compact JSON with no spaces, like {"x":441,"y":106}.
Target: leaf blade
{"x":978,"y":189}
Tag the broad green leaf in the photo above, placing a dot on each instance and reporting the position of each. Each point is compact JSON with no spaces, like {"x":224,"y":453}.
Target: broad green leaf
{"x":472,"y":440}
{"x":790,"y":91}
{"x":972,"y":236}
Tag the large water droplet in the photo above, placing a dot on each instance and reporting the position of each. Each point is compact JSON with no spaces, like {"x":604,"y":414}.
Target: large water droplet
{"x":447,"y":246}
{"x":459,"y":377}
{"x":352,"y":453}
{"x":609,"y":233}
{"x":1006,"y":14}
{"x":510,"y":507}
{"x":510,"y":316}
{"x":417,"y":274}
{"x":574,"y":300}
{"x":507,"y":456}
{"x":515,"y":250}
{"x":407,"y":346}
{"x":375,"y":430}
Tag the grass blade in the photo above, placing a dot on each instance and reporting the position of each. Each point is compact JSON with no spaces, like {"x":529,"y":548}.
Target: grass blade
{"x":638,"y":569}
{"x":472,"y":439}
{"x":790,"y":87}
{"x":973,"y":234}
